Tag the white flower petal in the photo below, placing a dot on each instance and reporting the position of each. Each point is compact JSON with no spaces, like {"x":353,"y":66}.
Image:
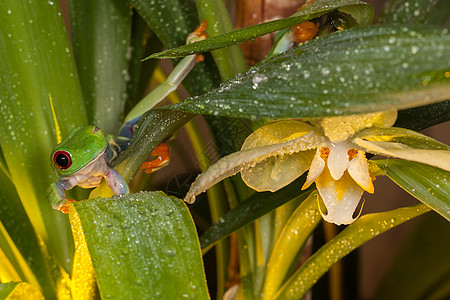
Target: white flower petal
{"x":436,"y":158}
{"x":246,"y":159}
{"x":316,"y":168}
{"x":341,"y":197}
{"x":338,"y":159}
{"x":358,"y":168}
{"x":276,"y":172}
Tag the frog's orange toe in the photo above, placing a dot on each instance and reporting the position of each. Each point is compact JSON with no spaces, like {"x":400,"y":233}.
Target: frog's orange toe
{"x":162,"y":152}
{"x":65,"y":207}
{"x":305,"y":31}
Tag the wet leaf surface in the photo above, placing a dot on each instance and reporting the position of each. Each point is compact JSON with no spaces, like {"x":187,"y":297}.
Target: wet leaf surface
{"x":143,"y":246}
{"x":359,"y":70}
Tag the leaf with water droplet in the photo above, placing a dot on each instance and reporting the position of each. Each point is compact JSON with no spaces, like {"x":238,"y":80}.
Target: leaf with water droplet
{"x":356,"y":234}
{"x":363,"y":13}
{"x":428,"y":184}
{"x":354,"y":69}
{"x":159,"y":258}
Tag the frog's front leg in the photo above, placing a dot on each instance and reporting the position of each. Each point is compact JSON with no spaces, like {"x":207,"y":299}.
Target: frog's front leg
{"x":116,"y":182}
{"x":162,"y":153}
{"x":56,"y":195}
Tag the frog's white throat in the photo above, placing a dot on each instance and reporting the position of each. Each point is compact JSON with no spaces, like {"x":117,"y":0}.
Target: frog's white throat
{"x":90,"y":175}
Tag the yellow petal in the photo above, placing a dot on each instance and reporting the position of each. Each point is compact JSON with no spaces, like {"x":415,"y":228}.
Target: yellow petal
{"x":276,"y":172}
{"x":341,"y":128}
{"x":278,"y":132}
{"x":248,"y":158}
{"x":341,"y":197}
{"x":358,"y":168}
{"x":316,"y":168}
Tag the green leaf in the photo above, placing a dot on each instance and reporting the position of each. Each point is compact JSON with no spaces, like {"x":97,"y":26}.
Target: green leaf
{"x":289,"y":243}
{"x":419,"y":118}
{"x":19,"y":290}
{"x":415,"y":12}
{"x":172,"y":21}
{"x":151,"y":239}
{"x":229,"y":61}
{"x":154,"y":127}
{"x":356,"y":234}
{"x":251,"y":209}
{"x":143,"y":42}
{"x":29,"y":260}
{"x":35,"y":62}
{"x":359,"y":70}
{"x":428,"y":184}
{"x":6,"y":289}
{"x":101,"y":33}
{"x":318,"y":8}
{"x":422,"y":264}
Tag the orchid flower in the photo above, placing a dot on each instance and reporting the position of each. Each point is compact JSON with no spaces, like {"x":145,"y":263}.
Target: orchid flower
{"x":333,"y":149}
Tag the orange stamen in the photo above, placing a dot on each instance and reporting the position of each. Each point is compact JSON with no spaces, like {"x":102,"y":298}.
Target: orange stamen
{"x":324,"y":153}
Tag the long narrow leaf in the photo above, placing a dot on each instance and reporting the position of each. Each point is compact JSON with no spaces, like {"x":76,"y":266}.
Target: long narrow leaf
{"x":359,"y":70}
{"x":430,"y":115}
{"x":101,"y":33}
{"x":251,"y":209}
{"x":318,"y":8}
{"x":428,"y":184}
{"x":153,"y":128}
{"x":36,"y":63}
{"x":421,"y":264}
{"x":151,"y":239}
{"x":30,"y":262}
{"x":19,"y":290}
{"x":289,"y":243}
{"x":362,"y":230}
{"x":172,"y":21}
{"x":415,"y":12}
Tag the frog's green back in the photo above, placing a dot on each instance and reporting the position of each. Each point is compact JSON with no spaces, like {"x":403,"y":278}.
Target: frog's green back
{"x":83,"y":144}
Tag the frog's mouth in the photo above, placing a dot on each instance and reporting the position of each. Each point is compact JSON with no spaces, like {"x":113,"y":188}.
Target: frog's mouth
{"x":93,"y":161}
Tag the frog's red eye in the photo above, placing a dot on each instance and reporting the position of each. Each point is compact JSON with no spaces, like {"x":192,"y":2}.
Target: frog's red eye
{"x":62,"y":159}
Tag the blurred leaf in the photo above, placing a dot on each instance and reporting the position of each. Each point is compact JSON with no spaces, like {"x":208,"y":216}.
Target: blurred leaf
{"x":101,"y":33}
{"x":154,"y":127}
{"x":426,"y":183}
{"x":359,"y":70}
{"x":35,"y":60}
{"x":289,"y":243}
{"x":143,"y":42}
{"x":421,"y":264}
{"x":19,"y":290}
{"x":229,"y":61}
{"x":7,"y":288}
{"x":251,"y":209}
{"x":151,"y":239}
{"x":315,"y":9}
{"x":356,"y":234}
{"x":172,"y":21}
{"x":23,"y":243}
{"x":422,"y":117}
{"x":434,"y":12}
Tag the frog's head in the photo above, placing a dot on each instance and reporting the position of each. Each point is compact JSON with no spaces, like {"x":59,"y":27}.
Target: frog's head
{"x":80,"y":147}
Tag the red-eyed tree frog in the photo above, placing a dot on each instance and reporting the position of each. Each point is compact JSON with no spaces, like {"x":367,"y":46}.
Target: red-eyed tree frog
{"x":85,"y":155}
